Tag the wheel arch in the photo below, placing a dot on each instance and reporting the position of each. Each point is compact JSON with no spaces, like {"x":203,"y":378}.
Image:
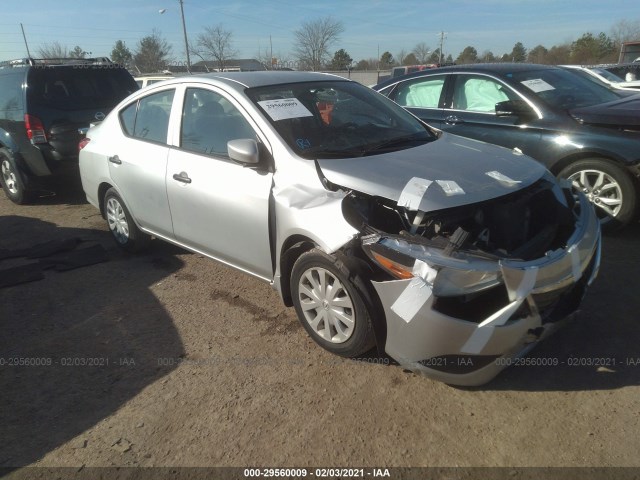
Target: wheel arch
{"x":564,"y":162}
{"x":296,"y":245}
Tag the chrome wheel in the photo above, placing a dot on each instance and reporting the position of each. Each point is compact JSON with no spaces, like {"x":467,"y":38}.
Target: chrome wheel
{"x":117,"y":220}
{"x":601,"y":189}
{"x":326,"y":305}
{"x":9,"y":177}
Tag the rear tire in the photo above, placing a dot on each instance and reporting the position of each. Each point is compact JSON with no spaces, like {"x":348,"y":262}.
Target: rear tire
{"x":121,"y":225}
{"x":610,"y":189}
{"x":11,"y":179}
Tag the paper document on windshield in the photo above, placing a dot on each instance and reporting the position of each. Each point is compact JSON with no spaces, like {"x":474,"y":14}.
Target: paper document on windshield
{"x":537,"y":85}
{"x":285,"y":108}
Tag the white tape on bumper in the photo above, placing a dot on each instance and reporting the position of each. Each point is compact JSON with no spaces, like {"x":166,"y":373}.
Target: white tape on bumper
{"x":412,"y":299}
{"x":481,"y":336}
{"x":576,"y":264}
{"x":413,"y":192}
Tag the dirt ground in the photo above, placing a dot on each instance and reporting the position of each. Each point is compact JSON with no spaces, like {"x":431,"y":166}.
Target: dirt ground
{"x":168,"y":359}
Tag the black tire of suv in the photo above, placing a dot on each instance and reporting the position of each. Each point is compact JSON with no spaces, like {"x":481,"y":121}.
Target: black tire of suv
{"x":626,"y":184}
{"x":16,"y":192}
{"x":136,"y":240}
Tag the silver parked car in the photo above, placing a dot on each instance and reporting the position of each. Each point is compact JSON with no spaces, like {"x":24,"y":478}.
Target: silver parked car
{"x":451,"y":255}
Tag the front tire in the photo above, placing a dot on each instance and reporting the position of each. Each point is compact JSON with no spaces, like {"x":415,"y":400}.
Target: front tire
{"x":329,"y":303}
{"x":121,"y":225}
{"x":11,"y":179}
{"x":610,"y":189}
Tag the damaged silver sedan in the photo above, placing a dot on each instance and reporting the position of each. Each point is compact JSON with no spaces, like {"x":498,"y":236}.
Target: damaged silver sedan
{"x":450,"y":255}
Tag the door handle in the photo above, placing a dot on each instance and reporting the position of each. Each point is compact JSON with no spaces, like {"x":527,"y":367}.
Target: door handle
{"x":182,"y":177}
{"x":452,"y":120}
{"x":115,"y":159}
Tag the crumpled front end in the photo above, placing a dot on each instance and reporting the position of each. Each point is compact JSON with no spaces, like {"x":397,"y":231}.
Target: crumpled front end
{"x":465,"y":300}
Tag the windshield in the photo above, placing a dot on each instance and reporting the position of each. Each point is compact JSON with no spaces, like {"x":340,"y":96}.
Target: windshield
{"x":563,"y":89}
{"x":338,"y":119}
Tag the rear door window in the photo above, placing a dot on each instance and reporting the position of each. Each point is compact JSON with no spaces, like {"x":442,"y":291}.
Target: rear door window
{"x":420,"y":93}
{"x":148,"y":118}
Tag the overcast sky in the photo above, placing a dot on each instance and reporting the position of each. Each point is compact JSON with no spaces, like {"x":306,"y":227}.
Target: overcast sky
{"x":371,"y":26}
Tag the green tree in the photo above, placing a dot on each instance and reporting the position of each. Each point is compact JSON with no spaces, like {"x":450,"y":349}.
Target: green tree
{"x":559,"y":55}
{"x":434,"y":57}
{"x":152,"y":53}
{"x":410,"y":59}
{"x":468,"y":55}
{"x":386,"y":60}
{"x":519,"y":53}
{"x":341,"y":60}
{"x":363,"y":65}
{"x":537,"y":54}
{"x":121,"y":54}
{"x":591,"y":49}
{"x":488,"y":57}
{"x":77,"y":52}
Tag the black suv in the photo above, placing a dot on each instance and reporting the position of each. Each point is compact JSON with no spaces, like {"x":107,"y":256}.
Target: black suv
{"x":44,"y":105}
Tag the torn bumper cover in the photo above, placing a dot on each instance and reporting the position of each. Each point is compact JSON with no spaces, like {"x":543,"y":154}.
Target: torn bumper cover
{"x":461,"y":317}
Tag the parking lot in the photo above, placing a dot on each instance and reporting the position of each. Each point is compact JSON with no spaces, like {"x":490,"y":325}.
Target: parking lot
{"x":169,"y":359}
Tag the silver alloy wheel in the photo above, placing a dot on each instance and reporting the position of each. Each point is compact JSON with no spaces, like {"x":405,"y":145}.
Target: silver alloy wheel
{"x":326,"y":305}
{"x":117,"y":220}
{"x":600,"y":188}
{"x":9,"y":177}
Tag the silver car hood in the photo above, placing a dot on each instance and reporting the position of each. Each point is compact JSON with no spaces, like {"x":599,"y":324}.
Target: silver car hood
{"x":480,"y":170}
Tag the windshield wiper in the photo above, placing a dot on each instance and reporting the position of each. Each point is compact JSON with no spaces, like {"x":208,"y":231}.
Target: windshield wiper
{"x":398,"y":141}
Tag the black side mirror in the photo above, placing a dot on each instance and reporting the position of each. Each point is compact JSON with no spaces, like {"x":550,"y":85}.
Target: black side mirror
{"x":515,"y":108}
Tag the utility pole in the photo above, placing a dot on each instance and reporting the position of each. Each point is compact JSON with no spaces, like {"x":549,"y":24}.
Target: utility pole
{"x":186,"y":43}
{"x":442,"y":35}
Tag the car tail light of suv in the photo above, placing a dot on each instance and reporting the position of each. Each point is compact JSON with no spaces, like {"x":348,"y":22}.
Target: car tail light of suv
{"x":83,"y":143}
{"x":35,"y":129}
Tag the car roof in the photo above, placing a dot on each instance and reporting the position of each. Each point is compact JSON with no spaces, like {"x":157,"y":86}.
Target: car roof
{"x":242,"y":80}
{"x":499,"y":68}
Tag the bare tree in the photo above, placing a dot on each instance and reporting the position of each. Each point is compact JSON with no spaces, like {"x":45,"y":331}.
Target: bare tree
{"x":215,"y":43}
{"x":152,"y":53}
{"x":53,"y":50}
{"x":625,"y":31}
{"x":313,"y":41}
{"x":422,"y":52}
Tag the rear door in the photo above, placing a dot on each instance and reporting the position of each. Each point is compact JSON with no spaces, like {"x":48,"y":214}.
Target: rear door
{"x":138,"y":160}
{"x":471,"y":112}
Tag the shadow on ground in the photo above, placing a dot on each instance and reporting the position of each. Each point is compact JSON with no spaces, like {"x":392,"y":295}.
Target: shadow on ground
{"x":76,"y":345}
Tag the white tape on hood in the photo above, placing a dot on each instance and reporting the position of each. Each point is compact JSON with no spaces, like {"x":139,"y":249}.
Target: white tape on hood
{"x":450,"y":188}
{"x":412,"y":193}
{"x":503,"y":178}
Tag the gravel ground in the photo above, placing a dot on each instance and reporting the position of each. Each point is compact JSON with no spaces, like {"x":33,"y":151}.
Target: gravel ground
{"x":169,"y":359}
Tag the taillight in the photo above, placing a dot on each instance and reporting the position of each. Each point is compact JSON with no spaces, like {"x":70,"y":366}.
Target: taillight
{"x":83,"y":143}
{"x":35,"y":129}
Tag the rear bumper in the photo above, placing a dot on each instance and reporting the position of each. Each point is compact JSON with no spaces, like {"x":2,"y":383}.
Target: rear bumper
{"x":470,"y":348}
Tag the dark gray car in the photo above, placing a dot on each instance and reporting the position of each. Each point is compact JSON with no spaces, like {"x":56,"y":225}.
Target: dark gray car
{"x":578,"y":129}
